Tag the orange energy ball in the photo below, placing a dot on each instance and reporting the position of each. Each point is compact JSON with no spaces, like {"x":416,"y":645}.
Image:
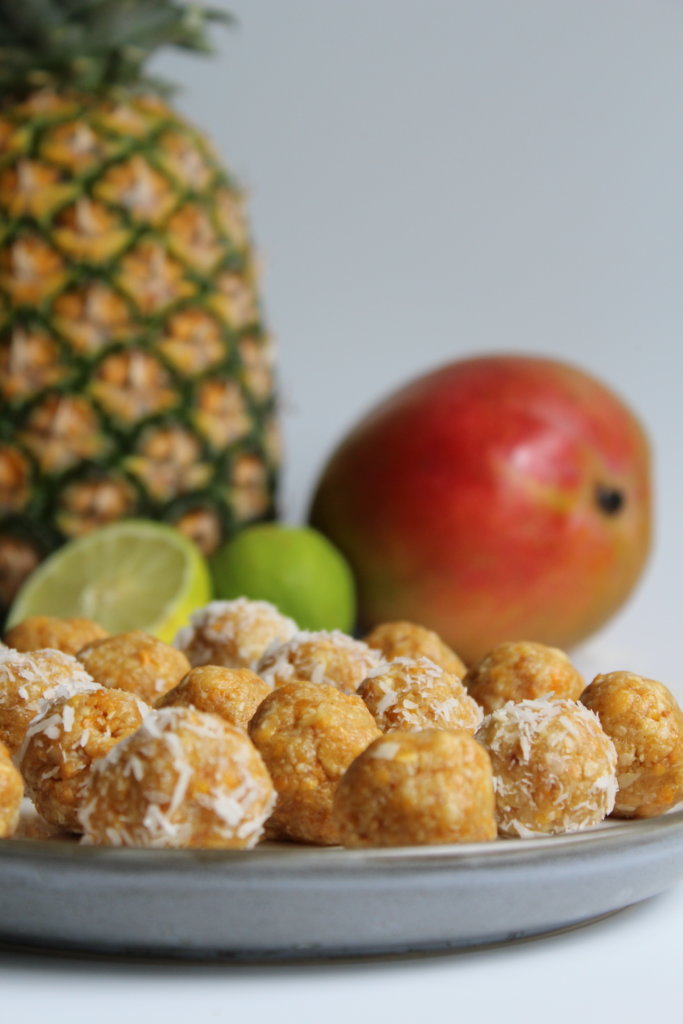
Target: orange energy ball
{"x":308,"y":735}
{"x":136,"y":662}
{"x":11,"y":794}
{"x":184,"y":779}
{"x":63,"y":742}
{"x":522,"y":671}
{"x":408,"y":640}
{"x":67,"y":635}
{"x":233,"y":633}
{"x":331,"y":658}
{"x":414,"y":693}
{"x":645,"y":724}
{"x":554,"y":768}
{"x":231,"y":693}
{"x":29,"y":681}
{"x":417,"y":788}
{"x":32,"y":826}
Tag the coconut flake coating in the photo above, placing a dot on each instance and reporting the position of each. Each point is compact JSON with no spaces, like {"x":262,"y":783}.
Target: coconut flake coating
{"x":184,"y":779}
{"x":522,"y":671}
{"x":11,"y":794}
{"x":417,"y":788}
{"x":414,"y":693}
{"x":645,"y":723}
{"x":137,"y":662}
{"x":554,"y":768}
{"x":68,"y":635}
{"x":409,"y":640}
{"x":331,"y":658}
{"x":234,"y":634}
{"x":63,"y":742}
{"x":231,"y":693}
{"x":308,"y":735}
{"x":29,"y":681}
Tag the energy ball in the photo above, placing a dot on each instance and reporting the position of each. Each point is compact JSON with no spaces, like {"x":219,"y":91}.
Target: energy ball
{"x":137,"y":662}
{"x":11,"y":794}
{"x":32,"y":826}
{"x":645,"y":724}
{"x":184,"y":779}
{"x":68,"y":635}
{"x":231,"y":693}
{"x":331,"y":658}
{"x":554,"y":768}
{"x":408,"y":640}
{"x":414,"y":693}
{"x":522,"y":671}
{"x":308,"y":735}
{"x":63,"y":742}
{"x":234,"y":634}
{"x":417,"y":788}
{"x":29,"y":681}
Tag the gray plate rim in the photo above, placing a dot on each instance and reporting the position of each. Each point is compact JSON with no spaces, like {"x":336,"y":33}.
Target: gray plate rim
{"x":294,"y":855}
{"x":285,"y":901}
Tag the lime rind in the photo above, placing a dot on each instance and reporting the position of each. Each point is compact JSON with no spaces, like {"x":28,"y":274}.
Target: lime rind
{"x":295,"y":568}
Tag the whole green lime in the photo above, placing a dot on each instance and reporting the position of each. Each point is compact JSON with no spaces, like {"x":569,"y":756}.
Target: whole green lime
{"x":295,"y":568}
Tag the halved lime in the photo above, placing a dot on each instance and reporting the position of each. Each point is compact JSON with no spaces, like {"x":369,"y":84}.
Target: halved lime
{"x":295,"y":568}
{"x":133,"y":574}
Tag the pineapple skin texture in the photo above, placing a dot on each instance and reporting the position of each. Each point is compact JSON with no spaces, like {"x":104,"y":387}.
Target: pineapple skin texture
{"x":136,"y":376}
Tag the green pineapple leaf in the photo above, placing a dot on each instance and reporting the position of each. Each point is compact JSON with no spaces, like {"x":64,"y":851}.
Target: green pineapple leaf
{"x":96,"y":44}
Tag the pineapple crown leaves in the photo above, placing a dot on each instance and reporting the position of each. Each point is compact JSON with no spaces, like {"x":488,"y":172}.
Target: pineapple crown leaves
{"x":95,"y":45}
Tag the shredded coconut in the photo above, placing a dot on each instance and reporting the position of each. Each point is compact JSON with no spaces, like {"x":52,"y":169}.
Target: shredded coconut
{"x":67,"y":718}
{"x":202,"y":783}
{"x":536,"y":747}
{"x":323,"y":657}
{"x":385,"y":751}
{"x":236,"y":632}
{"x":415,"y":693}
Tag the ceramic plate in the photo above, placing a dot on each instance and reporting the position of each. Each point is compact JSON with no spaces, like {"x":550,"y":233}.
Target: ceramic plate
{"x":291,"y":901}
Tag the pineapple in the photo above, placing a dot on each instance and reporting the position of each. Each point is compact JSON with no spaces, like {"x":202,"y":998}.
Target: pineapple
{"x":136,"y":375}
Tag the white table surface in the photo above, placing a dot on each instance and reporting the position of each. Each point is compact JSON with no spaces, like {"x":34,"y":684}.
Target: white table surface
{"x":626,"y":966}
{"x":429,"y":180}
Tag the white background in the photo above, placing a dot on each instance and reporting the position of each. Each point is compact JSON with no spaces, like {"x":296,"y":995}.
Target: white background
{"x":429,"y":180}
{"x":434,"y":179}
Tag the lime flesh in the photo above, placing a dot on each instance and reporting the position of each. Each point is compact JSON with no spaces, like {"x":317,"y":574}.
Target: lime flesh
{"x":134,"y":574}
